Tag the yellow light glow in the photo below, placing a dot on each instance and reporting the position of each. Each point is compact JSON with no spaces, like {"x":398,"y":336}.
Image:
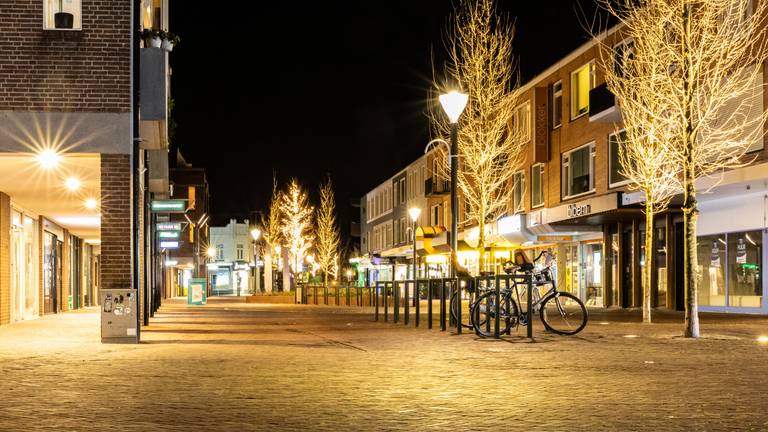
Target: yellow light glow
{"x":90,"y":203}
{"x":453,"y":104}
{"x":72,"y":184}
{"x":762,"y":339}
{"x":501,"y":254}
{"x":211,"y":252}
{"x":465,"y":255}
{"x":48,"y":159}
{"x":414,"y":212}
{"x":630,"y":336}
{"x":255,"y":233}
{"x":310,"y":258}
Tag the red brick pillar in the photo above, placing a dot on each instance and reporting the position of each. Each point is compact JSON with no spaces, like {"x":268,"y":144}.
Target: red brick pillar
{"x":5,"y":258}
{"x":116,"y":264}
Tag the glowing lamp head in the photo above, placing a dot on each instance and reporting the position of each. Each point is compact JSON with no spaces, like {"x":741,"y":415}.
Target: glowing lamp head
{"x":72,"y":184}
{"x":48,"y":159}
{"x":453,"y":104}
{"x":414,"y":212}
{"x":90,"y":203}
{"x":256,"y":234}
{"x":211,"y":252}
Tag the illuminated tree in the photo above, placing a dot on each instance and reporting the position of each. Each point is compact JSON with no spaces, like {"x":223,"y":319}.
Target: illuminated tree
{"x":270,"y":223}
{"x":490,"y":150}
{"x":698,"y":72}
{"x":328,"y":238}
{"x":295,"y":225}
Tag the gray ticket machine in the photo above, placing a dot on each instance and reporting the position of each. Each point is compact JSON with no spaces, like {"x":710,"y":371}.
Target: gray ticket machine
{"x":119,"y":322}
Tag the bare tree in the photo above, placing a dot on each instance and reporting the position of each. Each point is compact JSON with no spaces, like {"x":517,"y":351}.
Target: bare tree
{"x":270,"y":224}
{"x":328,"y":238}
{"x":295,"y":225}
{"x":702,"y":62}
{"x":490,"y":151}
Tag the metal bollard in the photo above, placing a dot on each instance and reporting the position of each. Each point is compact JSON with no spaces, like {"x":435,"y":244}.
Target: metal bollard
{"x":315,"y":295}
{"x":406,"y":303}
{"x":459,"y":306}
{"x":396,"y":301}
{"x":442,"y":305}
{"x":376,"y":301}
{"x":430,"y":285}
{"x":498,"y":309}
{"x":386,"y":302}
{"x":417,"y":298}
{"x":530,"y":306}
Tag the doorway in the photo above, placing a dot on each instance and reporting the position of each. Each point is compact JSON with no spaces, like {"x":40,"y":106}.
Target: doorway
{"x":52,"y":248}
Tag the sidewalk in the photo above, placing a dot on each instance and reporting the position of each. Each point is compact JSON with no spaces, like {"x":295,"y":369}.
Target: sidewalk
{"x":236,"y":367}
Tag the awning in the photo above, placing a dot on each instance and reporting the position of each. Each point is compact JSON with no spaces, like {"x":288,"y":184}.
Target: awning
{"x":432,"y":240}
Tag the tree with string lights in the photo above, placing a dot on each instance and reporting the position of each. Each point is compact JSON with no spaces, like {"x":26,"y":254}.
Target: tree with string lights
{"x":296,"y":224}
{"x":328,"y":237}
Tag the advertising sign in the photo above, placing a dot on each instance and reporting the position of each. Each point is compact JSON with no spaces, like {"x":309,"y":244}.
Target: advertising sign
{"x":196,"y":293}
{"x":169,"y":206}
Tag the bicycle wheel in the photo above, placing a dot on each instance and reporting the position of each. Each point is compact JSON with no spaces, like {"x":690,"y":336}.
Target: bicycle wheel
{"x":563,"y":313}
{"x":484,"y":311}
{"x":454,"y":313}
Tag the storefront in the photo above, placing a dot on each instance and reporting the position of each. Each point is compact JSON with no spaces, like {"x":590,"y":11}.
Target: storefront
{"x":53,"y":250}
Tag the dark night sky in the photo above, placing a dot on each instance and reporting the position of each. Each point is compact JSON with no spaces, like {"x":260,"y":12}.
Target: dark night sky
{"x":309,"y":88}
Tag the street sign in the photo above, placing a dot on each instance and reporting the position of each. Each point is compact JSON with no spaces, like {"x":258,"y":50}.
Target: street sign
{"x":168,"y":226}
{"x":169,"y":244}
{"x":169,"y":206}
{"x":168,"y":234}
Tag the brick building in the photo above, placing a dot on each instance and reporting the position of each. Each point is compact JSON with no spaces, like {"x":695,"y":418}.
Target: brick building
{"x":571,"y":199}
{"x":80,"y":160}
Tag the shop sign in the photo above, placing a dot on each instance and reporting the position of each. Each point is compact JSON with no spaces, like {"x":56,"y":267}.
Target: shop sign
{"x":169,"y":244}
{"x":168,"y":234}
{"x":541,"y":125}
{"x":168,"y":226}
{"x":169,"y":206}
{"x":583,"y":208}
{"x":576,"y":210}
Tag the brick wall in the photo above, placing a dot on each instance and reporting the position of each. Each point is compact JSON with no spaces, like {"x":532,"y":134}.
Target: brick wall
{"x":85,"y":70}
{"x":115,"y":270}
{"x":5,"y":258}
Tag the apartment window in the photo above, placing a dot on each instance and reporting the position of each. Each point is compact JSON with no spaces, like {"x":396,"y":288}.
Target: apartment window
{"x":622,"y":51}
{"x":518,"y":192}
{"x":557,"y":104}
{"x":435,"y":215}
{"x":397,"y":194}
{"x":240,"y":253}
{"x":220,"y":252}
{"x":582,"y":81}
{"x":62,"y":14}
{"x":616,"y":141}
{"x":578,"y":171}
{"x":537,"y":185}
{"x":403,"y":231}
{"x":521,"y":121}
{"x":402,"y":190}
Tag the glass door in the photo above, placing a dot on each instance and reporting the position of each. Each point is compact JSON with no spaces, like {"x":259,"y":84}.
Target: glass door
{"x":572,"y":269}
{"x":593,"y":274}
{"x":50,"y":287}
{"x":18,"y":286}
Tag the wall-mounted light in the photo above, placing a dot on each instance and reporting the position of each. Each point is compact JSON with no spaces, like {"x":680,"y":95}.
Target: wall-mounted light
{"x":48,"y":159}
{"x":72,"y":183}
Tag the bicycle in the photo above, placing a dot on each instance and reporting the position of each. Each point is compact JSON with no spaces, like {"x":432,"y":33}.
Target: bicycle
{"x":560,"y":312}
{"x":473,"y":291}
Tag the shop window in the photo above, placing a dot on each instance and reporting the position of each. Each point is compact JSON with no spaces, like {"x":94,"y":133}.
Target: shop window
{"x":521,"y":121}
{"x":615,"y":142}
{"x":711,"y":270}
{"x":62,"y":14}
{"x":745,"y":285}
{"x":518,"y":192}
{"x":578,"y":171}
{"x":557,"y":104}
{"x":537,"y":185}
{"x":582,"y":81}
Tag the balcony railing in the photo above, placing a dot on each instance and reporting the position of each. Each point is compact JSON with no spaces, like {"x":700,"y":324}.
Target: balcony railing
{"x":434,"y":187}
{"x":602,"y":105}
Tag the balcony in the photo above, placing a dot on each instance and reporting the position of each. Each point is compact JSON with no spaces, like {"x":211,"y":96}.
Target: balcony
{"x":602,"y":105}
{"x":153,"y":97}
{"x":436,"y":187}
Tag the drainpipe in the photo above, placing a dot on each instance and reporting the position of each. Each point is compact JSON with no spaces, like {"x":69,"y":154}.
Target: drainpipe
{"x":135,"y":79}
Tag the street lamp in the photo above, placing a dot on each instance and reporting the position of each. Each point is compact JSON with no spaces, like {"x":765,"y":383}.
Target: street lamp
{"x":414,"y":213}
{"x":453,"y":104}
{"x":211,"y":252}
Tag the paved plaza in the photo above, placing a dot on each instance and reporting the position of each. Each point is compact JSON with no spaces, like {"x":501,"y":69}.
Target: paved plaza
{"x":236,"y":367}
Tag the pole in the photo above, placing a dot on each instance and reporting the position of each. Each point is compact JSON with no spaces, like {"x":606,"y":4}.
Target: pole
{"x":454,"y":198}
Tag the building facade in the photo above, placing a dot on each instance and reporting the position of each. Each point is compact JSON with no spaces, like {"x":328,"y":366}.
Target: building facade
{"x":80,"y":157}
{"x":231,"y":268}
{"x":570,"y":198}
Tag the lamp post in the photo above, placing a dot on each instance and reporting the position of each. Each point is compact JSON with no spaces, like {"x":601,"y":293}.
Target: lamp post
{"x":453,"y":104}
{"x":211,"y":252}
{"x":256,"y":235}
{"x":414,"y":213}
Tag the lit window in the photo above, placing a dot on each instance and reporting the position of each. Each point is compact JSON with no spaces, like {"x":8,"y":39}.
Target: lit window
{"x":518,"y":192}
{"x":521,"y":121}
{"x":582,"y":81}
{"x":614,"y":165}
{"x":240,"y":253}
{"x":578,"y":171}
{"x":220,"y":252}
{"x":62,"y":14}
{"x":557,"y":104}
{"x":537,"y":185}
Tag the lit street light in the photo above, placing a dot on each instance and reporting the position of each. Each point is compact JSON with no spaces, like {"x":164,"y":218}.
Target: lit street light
{"x":453,"y":104}
{"x":414,"y":213}
{"x":256,"y":235}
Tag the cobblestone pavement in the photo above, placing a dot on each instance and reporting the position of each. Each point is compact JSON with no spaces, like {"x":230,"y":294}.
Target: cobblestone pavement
{"x":237,"y":367}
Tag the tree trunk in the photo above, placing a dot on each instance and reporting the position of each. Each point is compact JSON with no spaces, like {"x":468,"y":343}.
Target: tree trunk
{"x":268,"y":271}
{"x":648,"y":270}
{"x":690,"y":207}
{"x":481,"y":248}
{"x":286,"y":270}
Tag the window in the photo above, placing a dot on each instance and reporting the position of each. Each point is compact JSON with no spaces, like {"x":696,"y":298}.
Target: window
{"x":537,"y":185}
{"x":582,"y":81}
{"x":240,"y":253}
{"x":402,"y":190}
{"x":62,"y":14}
{"x":616,"y":140}
{"x":622,"y":51}
{"x":521,"y":121}
{"x":557,"y":104}
{"x":578,"y":171}
{"x":518,"y":192}
{"x":435,"y":215}
{"x":220,"y":252}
